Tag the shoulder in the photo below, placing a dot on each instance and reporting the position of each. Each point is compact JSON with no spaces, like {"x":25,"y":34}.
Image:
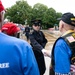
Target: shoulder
{"x":40,"y":31}
{"x":20,"y":44}
{"x":62,"y":45}
{"x":61,"y":42}
{"x":32,"y":33}
{"x":14,"y":41}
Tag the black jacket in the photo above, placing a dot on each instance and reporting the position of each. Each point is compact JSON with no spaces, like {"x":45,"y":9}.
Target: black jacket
{"x":38,"y":42}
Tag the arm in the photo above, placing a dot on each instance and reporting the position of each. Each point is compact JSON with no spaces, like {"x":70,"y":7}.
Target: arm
{"x":44,"y":39}
{"x":34,"y":43}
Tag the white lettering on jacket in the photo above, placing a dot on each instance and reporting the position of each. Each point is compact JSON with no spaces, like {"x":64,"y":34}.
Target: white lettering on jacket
{"x":4,"y":65}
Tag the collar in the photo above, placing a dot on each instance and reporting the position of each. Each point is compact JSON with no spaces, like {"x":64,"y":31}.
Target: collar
{"x":67,"y":32}
{"x":36,"y":31}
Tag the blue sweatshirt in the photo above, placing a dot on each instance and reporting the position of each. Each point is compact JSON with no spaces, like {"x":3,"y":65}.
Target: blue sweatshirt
{"x":16,"y":57}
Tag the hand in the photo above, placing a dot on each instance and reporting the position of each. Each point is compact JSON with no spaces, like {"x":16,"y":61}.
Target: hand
{"x":46,"y":52}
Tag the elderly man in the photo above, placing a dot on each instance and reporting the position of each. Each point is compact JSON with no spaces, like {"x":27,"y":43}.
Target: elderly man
{"x":63,"y":52}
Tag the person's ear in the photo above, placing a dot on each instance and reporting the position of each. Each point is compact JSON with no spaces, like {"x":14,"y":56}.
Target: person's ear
{"x":62,"y":25}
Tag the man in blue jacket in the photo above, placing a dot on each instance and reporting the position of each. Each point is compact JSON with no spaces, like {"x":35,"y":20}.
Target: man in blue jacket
{"x":16,"y":55}
{"x":63,"y":51}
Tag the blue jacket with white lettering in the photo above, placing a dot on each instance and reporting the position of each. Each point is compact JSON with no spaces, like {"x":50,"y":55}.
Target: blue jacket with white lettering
{"x":16,"y":57}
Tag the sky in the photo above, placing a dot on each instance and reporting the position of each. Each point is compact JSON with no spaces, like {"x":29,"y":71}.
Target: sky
{"x":62,"y":6}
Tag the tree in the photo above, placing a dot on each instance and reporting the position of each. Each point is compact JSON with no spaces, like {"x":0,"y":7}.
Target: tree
{"x":19,"y":12}
{"x":38,"y":11}
{"x":49,"y":18}
{"x":58,"y":16}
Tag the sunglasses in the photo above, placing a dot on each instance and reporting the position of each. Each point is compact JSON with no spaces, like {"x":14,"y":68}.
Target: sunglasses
{"x":36,"y":24}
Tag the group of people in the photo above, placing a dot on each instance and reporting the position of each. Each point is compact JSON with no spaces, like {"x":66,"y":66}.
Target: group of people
{"x":17,"y":57}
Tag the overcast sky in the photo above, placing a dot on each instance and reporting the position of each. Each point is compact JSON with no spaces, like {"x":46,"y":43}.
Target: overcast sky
{"x":59,"y":5}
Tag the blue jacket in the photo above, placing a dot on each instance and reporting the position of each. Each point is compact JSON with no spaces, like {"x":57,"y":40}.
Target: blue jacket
{"x":16,"y":57}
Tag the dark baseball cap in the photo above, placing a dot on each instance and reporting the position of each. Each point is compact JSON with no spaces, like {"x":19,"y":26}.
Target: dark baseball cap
{"x":68,"y":18}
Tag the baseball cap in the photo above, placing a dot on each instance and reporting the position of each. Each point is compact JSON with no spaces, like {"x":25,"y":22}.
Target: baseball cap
{"x":68,"y":18}
{"x":10,"y":28}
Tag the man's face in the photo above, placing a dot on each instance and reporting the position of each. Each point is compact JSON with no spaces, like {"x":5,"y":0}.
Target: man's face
{"x":36,"y":27}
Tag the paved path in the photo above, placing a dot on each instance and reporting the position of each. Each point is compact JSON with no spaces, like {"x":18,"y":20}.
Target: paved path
{"x":47,"y":61}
